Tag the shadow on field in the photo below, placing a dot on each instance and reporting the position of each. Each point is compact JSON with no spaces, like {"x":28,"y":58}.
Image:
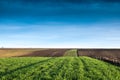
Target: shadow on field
{"x":23,"y":67}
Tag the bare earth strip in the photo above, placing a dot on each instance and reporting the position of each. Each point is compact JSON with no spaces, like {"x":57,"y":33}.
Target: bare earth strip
{"x":32,"y":52}
{"x":15,"y":52}
{"x":47,"y":53}
{"x":108,"y":55}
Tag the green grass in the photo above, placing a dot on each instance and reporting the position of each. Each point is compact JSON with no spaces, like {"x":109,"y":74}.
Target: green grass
{"x":71,"y":53}
{"x":62,"y":68}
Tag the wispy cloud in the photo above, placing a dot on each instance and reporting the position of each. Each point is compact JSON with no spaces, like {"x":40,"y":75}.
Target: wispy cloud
{"x":10,"y":27}
{"x":87,"y":35}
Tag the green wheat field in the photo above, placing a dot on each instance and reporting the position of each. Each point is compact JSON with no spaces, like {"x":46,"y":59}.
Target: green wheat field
{"x":57,"y":68}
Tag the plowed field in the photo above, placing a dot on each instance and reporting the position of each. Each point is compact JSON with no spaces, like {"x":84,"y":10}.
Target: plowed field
{"x":109,"y":55}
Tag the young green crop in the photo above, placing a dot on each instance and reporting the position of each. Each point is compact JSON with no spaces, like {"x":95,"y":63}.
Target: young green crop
{"x":54,"y":68}
{"x":71,"y":53}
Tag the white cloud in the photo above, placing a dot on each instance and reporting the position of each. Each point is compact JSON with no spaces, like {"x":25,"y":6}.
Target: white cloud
{"x":69,"y":36}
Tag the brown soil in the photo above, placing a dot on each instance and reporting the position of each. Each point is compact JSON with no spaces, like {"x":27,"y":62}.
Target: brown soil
{"x":12,"y":52}
{"x":108,"y":55}
{"x":47,"y":53}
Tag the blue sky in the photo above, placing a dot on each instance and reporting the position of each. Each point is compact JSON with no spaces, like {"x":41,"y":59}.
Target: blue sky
{"x":60,"y":23}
